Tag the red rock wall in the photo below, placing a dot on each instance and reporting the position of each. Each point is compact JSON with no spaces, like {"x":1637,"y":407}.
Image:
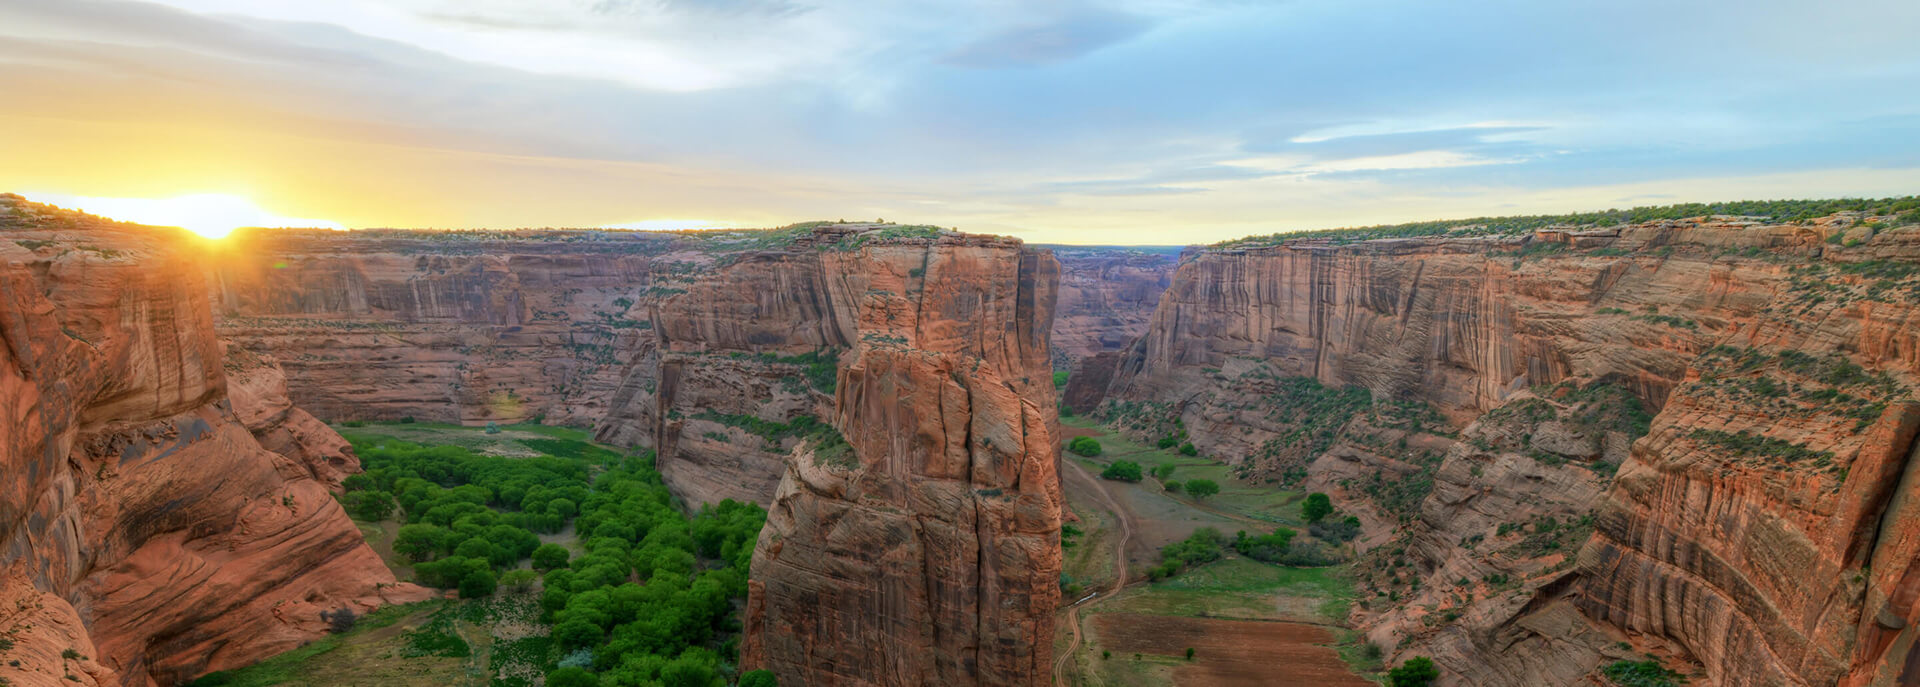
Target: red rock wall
{"x":1764,"y":572}
{"x":1107,"y":296}
{"x":467,"y":327}
{"x":142,"y":524}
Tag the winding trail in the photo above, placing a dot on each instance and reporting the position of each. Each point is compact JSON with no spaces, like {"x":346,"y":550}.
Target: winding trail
{"x":1125,"y":518}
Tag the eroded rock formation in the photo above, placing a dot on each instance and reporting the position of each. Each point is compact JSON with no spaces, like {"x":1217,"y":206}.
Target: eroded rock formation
{"x":146,"y":534}
{"x":917,"y":540}
{"x":1755,"y":530}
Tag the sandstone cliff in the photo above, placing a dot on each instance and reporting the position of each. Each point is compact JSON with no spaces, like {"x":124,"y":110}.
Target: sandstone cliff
{"x":1107,"y":295}
{"x":465,"y":327}
{"x":146,"y":535}
{"x":895,"y":383}
{"x":1753,"y":530}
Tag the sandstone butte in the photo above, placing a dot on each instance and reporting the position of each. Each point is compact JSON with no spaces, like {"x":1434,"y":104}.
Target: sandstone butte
{"x":1766,"y":526}
{"x":164,"y":511}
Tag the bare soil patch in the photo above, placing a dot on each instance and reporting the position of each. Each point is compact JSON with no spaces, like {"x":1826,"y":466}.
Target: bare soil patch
{"x":1230,"y":653}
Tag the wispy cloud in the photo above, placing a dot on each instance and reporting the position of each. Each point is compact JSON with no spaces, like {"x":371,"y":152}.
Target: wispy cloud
{"x":1042,"y":117}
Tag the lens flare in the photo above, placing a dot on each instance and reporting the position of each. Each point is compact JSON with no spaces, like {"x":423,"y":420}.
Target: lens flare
{"x":211,"y":215}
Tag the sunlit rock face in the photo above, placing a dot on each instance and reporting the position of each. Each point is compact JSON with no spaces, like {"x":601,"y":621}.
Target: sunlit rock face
{"x":1760,"y":529}
{"x":143,"y":524}
{"x":921,"y":544}
{"x":468,"y":327}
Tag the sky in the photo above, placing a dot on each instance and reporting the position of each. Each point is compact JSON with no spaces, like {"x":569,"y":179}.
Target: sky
{"x":1133,"y":121}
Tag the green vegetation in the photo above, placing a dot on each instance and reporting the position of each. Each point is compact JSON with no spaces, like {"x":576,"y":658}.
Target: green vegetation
{"x":1775,"y":210}
{"x":1748,"y":444}
{"x":1090,"y":447}
{"x":1060,"y":379}
{"x":652,"y":596}
{"x":1266,"y":547}
{"x":805,"y":427}
{"x":1122,"y":470}
{"x":1317,"y":507}
{"x":1648,"y":673}
{"x":1203,"y":546}
{"x":1418,"y":671}
{"x":1202,"y":488}
{"x":286,"y":667}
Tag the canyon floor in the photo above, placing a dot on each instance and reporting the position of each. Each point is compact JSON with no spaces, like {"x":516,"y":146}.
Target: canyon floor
{"x":1247,"y":622}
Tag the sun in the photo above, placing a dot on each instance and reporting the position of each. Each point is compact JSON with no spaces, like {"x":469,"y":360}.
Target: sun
{"x":210,"y":215}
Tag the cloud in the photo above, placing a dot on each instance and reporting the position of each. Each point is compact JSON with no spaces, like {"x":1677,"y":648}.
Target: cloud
{"x":1080,"y":32}
{"x":1036,"y":116}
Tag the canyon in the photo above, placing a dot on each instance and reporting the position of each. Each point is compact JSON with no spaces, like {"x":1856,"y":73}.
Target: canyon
{"x":1693,"y":438}
{"x":1565,"y":446}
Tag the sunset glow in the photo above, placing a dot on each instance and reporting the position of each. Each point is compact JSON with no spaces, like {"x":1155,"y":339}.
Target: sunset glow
{"x":211,"y":215}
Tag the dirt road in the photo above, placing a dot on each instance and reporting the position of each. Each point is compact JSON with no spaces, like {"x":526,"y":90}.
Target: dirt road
{"x":1125,"y":519}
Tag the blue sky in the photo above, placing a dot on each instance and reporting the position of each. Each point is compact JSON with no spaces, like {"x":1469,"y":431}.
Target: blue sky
{"x":1151,"y":121}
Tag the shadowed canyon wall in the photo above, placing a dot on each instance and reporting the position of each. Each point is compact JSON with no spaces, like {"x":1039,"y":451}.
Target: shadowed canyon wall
{"x":1107,"y":296}
{"x":163,"y":510}
{"x":1755,"y":527}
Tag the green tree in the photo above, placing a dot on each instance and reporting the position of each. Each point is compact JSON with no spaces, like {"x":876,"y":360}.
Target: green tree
{"x":477,"y":584}
{"x":572,"y":677}
{"x":577,"y":632}
{"x":550,"y":557}
{"x":758,"y":678}
{"x":1188,"y":449}
{"x":686,"y":671}
{"x":1085,"y":446}
{"x":1202,"y":488}
{"x":1173,"y":487}
{"x":1418,"y":671}
{"x":1122,"y":470}
{"x":1317,"y":507}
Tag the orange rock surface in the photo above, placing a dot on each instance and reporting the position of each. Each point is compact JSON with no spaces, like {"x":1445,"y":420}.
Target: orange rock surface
{"x":1761,"y":530}
{"x":146,"y":535}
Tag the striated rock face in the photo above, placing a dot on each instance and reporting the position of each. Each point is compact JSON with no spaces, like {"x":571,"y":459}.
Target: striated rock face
{"x":1756,"y":529}
{"x":466,"y":327}
{"x":142,"y":523}
{"x":917,"y":540}
{"x":1107,"y":295}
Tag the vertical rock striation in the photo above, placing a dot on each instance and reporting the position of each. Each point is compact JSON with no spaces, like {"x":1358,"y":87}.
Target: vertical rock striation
{"x":1107,"y":295}
{"x":1757,"y":529}
{"x":143,"y":526}
{"x":467,"y":327}
{"x":916,"y":541}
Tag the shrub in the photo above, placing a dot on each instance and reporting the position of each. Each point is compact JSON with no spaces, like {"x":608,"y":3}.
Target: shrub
{"x":1317,"y":507}
{"x":340,"y":620}
{"x":1202,"y":488}
{"x":1418,"y":671}
{"x":1265,"y":547}
{"x":493,"y":428}
{"x":1647,"y":673}
{"x":758,"y":678}
{"x":1122,"y":470}
{"x":1059,"y":379}
{"x":1084,"y":446}
{"x":1173,"y":487}
{"x":1187,"y":449}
